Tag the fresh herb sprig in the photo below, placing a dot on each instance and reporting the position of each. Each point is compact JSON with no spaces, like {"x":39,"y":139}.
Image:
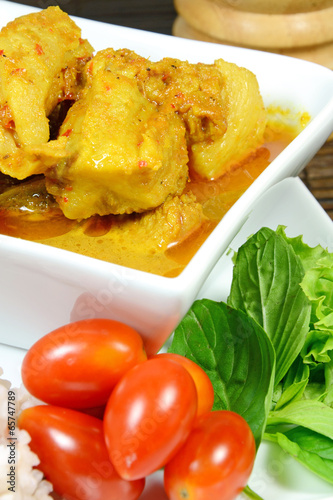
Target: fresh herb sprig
{"x":269,"y":349}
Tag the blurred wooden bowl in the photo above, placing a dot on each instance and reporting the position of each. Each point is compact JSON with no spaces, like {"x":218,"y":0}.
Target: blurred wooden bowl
{"x":276,"y":6}
{"x":319,"y":54}
{"x":217,"y":19}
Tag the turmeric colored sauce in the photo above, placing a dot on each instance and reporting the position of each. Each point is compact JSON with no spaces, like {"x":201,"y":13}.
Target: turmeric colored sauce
{"x":27,"y":211}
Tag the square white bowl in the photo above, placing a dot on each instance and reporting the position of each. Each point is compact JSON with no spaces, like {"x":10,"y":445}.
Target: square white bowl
{"x":275,"y":475}
{"x":42,"y":287}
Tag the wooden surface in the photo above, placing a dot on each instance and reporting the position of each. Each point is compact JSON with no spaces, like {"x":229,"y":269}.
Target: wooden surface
{"x":276,"y":6}
{"x":318,"y":177}
{"x":258,"y":29}
{"x":159,"y":16}
{"x":320,"y":54}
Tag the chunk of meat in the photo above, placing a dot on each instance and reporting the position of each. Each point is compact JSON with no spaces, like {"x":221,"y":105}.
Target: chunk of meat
{"x":41,"y":59}
{"x":123,"y":153}
{"x":191,"y":90}
{"x":246,"y":119}
{"x":220,"y":105}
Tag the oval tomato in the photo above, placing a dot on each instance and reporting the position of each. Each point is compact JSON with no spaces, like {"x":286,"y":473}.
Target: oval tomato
{"x":77,"y":365}
{"x":215,"y":462}
{"x":73,"y":457}
{"x":149,"y":416}
{"x":204,"y":387}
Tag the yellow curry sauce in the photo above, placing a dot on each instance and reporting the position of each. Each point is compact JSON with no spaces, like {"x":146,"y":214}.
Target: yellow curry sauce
{"x":27,"y":211}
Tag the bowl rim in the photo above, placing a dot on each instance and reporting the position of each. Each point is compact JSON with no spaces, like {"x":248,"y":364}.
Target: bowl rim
{"x":287,"y":162}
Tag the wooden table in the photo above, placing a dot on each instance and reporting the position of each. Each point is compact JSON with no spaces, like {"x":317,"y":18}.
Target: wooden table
{"x":318,"y":177}
{"x":158,"y":16}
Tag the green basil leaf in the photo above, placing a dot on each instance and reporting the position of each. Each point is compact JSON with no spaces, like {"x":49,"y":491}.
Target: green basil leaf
{"x":236,"y":354}
{"x":266,"y":285}
{"x":315,"y":391}
{"x":308,"y":255}
{"x":310,"y":448}
{"x":318,"y":280}
{"x":313,"y":415}
{"x":294,"y":383}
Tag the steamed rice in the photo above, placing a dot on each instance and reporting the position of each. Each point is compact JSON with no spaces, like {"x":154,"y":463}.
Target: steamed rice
{"x":29,"y":482}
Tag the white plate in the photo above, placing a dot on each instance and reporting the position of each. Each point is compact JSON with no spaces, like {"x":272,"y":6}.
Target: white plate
{"x":276,"y":476}
{"x":42,"y":288}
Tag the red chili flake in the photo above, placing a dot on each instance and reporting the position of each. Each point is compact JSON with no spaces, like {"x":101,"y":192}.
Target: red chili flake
{"x":18,"y":70}
{"x":1,"y":52}
{"x":172,"y":105}
{"x":107,"y":87}
{"x":10,"y":124}
{"x":139,"y":143}
{"x":65,"y":199}
{"x":39,"y":49}
{"x":68,"y":132}
{"x":6,"y":118}
{"x":90,"y":67}
{"x":142,"y":163}
{"x":81,"y":41}
{"x":165,"y":77}
{"x":69,"y":188}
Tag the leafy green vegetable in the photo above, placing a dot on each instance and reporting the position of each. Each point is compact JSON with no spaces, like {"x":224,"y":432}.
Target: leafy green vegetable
{"x":317,"y":347}
{"x":308,"y":255}
{"x":293,"y":386}
{"x":317,"y":283}
{"x":311,"y":449}
{"x":318,"y":286}
{"x":266,"y":285}
{"x":236,"y":354}
{"x":280,"y":311}
{"x":320,"y":384}
{"x":311,"y":414}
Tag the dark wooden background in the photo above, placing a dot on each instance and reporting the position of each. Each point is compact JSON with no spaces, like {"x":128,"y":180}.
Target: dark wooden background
{"x":158,"y":16}
{"x":150,"y":15}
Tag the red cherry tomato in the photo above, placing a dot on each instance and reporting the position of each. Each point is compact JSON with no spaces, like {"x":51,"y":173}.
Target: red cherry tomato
{"x":77,"y":365}
{"x":204,"y":387}
{"x":149,"y":416}
{"x":73,"y":456}
{"x":215,"y":462}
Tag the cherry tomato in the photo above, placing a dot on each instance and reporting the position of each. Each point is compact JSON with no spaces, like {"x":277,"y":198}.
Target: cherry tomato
{"x":215,"y":462}
{"x":205,"y":390}
{"x":77,"y":365}
{"x":73,"y":456}
{"x":149,"y":416}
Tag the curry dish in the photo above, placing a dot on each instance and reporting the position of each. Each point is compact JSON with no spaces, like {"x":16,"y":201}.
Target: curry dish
{"x":118,"y":157}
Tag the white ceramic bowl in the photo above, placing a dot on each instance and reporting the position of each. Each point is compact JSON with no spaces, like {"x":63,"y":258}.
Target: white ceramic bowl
{"x":275,"y":475}
{"x":42,"y":288}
